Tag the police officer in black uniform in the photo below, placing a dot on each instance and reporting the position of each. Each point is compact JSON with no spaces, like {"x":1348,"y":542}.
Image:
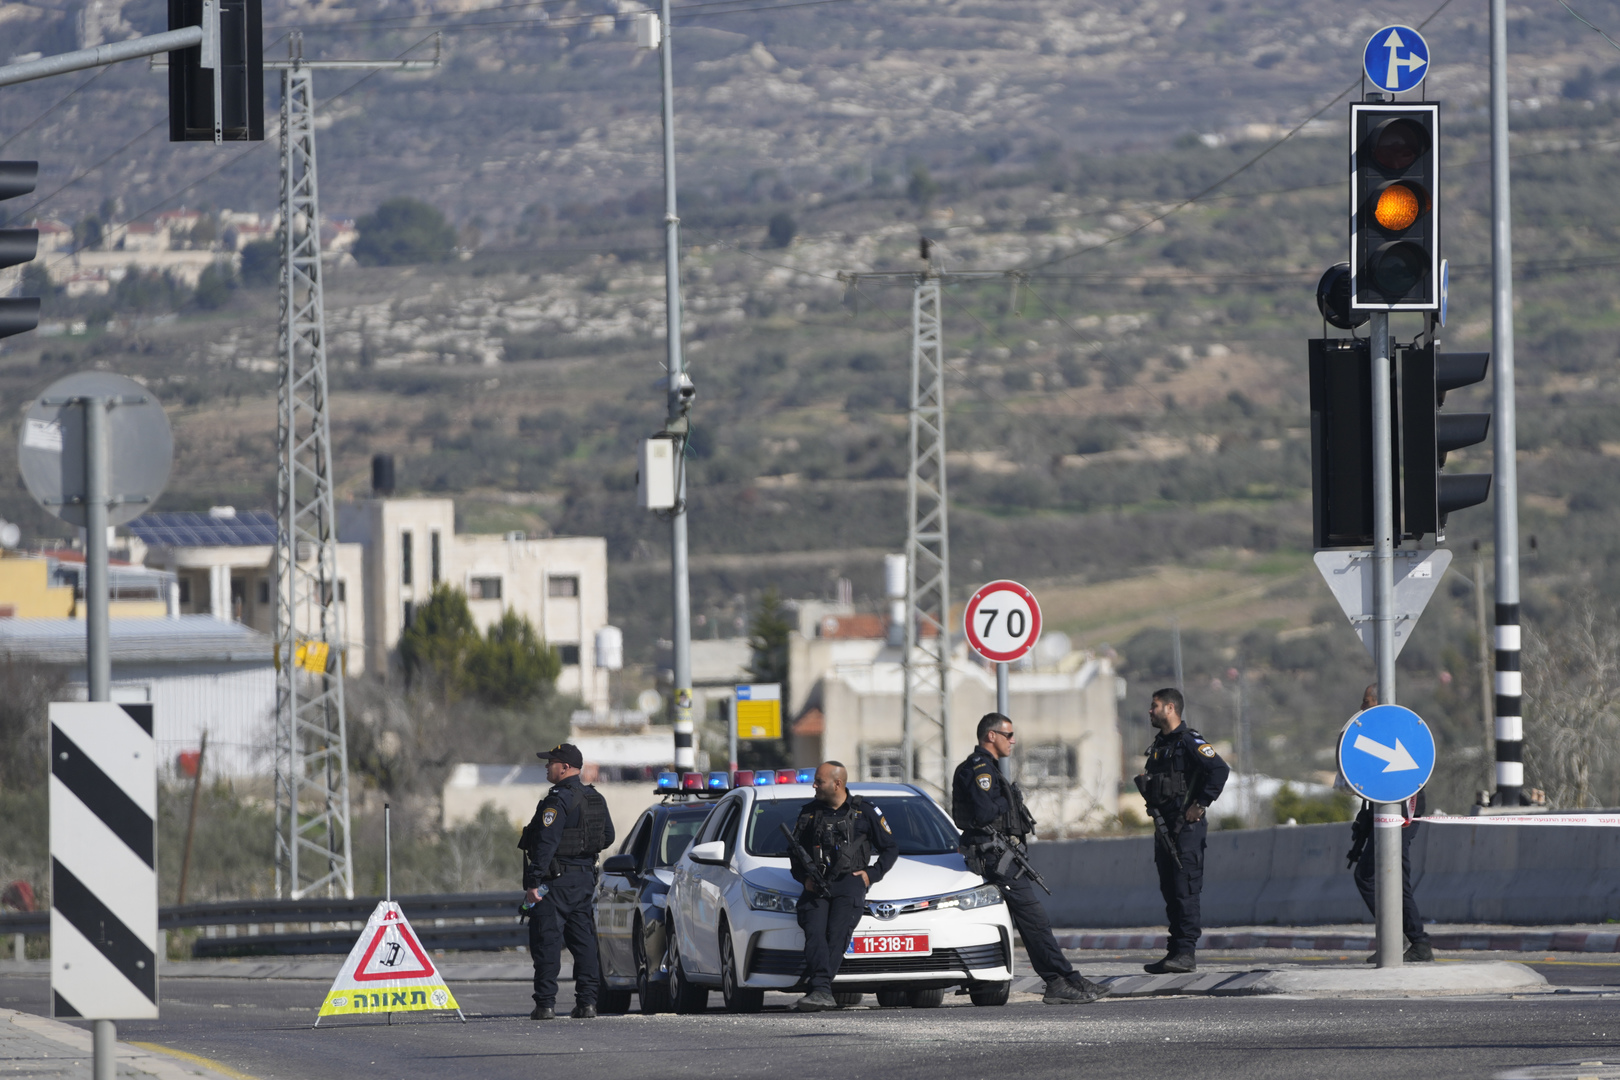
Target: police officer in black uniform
{"x":984,"y":804}
{"x":1184,"y":775}
{"x":560,"y":845}
{"x":840,"y":832}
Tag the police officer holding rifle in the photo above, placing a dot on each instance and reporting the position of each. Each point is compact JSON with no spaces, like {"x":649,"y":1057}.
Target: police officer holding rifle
{"x":1183,"y":776}
{"x":830,"y":848}
{"x":991,"y":813}
{"x":560,"y":844}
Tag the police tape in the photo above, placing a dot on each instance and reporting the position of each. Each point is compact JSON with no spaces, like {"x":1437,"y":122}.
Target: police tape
{"x":1600,"y":820}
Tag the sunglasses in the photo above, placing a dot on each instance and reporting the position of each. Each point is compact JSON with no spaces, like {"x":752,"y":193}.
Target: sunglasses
{"x":1004,"y":734}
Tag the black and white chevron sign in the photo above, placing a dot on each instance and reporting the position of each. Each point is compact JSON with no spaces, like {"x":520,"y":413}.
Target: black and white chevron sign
{"x":104,"y":905}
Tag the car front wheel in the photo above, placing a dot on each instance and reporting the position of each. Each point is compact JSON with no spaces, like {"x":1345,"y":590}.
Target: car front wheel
{"x":684,"y":997}
{"x":994,"y":993}
{"x":738,"y":998}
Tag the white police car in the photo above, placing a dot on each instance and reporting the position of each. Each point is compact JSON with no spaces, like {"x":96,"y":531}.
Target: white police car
{"x":930,"y":926}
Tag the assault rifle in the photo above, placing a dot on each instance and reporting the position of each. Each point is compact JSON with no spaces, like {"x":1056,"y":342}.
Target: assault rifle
{"x":1006,"y":854}
{"x":802,"y":857}
{"x":1360,"y":832}
{"x":1161,"y":830}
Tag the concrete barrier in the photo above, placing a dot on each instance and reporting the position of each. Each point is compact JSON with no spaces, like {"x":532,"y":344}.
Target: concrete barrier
{"x":1296,"y":876}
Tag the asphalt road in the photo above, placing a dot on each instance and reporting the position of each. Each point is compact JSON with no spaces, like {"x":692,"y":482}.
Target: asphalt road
{"x":262,"y":1028}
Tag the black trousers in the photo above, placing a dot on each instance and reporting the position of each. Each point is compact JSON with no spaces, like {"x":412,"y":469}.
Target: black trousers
{"x":1034,"y":926}
{"x":828,"y":920}
{"x":1182,"y":885}
{"x":1367,"y":882}
{"x":566,"y":914}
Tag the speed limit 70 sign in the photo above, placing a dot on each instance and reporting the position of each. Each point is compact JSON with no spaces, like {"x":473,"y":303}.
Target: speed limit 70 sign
{"x":1003,"y":621}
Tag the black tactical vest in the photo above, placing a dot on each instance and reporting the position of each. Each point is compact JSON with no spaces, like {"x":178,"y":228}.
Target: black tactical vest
{"x":835,"y":844}
{"x":589,"y":837}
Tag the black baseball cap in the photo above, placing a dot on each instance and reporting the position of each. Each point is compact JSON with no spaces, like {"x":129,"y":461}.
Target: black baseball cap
{"x":567,"y":753}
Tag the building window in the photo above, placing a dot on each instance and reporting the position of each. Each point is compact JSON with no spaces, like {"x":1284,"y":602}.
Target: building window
{"x":410,"y":614}
{"x":562,"y":586}
{"x":264,"y":590}
{"x":484,"y":588}
{"x":433,"y":555}
{"x":569,"y":655}
{"x":185,"y":590}
{"x":1051,"y":765}
{"x":884,"y":763}
{"x":343,"y":592}
{"x":405,"y":558}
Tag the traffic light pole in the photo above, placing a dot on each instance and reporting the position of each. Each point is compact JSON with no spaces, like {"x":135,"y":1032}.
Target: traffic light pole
{"x":1386,"y":816}
{"x":1509,"y":688}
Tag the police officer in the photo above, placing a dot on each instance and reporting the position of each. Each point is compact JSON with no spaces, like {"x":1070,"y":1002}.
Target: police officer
{"x":985,"y":804}
{"x":560,"y":844}
{"x":1364,"y":861}
{"x":839,"y":832}
{"x":1184,"y":775}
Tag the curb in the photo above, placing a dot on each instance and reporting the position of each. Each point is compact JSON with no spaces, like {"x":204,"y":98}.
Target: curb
{"x":1528,"y":941}
{"x":147,"y":1058}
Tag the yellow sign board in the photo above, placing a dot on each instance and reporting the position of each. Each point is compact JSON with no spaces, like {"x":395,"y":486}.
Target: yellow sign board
{"x":759,"y":711}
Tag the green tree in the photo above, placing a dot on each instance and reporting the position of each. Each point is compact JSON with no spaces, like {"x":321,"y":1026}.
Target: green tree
{"x":214,"y":286}
{"x":768,"y":638}
{"x":921,"y":188}
{"x":782,"y":229}
{"x":1306,"y":810}
{"x":511,"y":665}
{"x":435,"y":646}
{"x":261,"y":262}
{"x":401,"y":232}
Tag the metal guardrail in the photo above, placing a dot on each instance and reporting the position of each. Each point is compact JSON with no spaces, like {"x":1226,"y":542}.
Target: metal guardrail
{"x":479,"y":921}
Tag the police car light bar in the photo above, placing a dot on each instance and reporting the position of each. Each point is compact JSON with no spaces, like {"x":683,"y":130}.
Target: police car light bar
{"x":807,"y":776}
{"x":669,"y":781}
{"x":764,"y":778}
{"x":744,"y":778}
{"x":719,"y":781}
{"x":692,"y":781}
{"x":787,"y":776}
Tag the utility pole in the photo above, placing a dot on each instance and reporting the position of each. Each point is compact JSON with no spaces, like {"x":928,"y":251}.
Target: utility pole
{"x":678,"y":423}
{"x":1175,"y":651}
{"x":1509,"y":685}
{"x":313,"y":849}
{"x":926,"y":662}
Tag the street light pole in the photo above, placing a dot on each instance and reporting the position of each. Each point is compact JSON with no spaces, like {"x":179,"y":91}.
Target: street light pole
{"x":677,"y":424}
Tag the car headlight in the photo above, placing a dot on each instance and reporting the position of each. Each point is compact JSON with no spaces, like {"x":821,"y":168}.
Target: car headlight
{"x":770,"y":900}
{"x":983,"y":896}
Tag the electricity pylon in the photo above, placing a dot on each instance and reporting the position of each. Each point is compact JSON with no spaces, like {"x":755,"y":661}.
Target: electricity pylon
{"x":313,"y":851}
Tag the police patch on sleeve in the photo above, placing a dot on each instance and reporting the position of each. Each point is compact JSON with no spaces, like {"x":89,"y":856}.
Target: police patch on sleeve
{"x":548,"y":817}
{"x":885,"y":823}
{"x":984,"y":781}
{"x":1207,"y":750}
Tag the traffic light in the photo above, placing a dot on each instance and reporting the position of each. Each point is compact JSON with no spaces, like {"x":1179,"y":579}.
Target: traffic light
{"x":1394,"y":207}
{"x":18,"y":314}
{"x":1341,"y":443}
{"x":1428,"y":495}
{"x":227,"y":68}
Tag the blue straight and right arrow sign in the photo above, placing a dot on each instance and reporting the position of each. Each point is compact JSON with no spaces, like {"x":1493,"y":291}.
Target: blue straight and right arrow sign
{"x":1386,"y":753}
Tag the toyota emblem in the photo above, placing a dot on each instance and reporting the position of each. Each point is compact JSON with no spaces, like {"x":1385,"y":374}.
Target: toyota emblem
{"x":885,"y":910}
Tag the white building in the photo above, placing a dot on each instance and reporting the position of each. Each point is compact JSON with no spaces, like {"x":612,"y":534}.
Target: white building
{"x":846,"y":683}
{"x":390,"y":554}
{"x":198,"y":673}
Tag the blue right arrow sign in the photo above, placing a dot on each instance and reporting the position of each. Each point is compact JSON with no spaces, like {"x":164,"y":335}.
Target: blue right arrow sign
{"x":1386,"y":753}
{"x":1396,"y":59}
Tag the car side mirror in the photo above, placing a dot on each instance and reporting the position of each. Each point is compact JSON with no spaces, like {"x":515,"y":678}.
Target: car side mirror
{"x":713,"y":853}
{"x":619,"y":864}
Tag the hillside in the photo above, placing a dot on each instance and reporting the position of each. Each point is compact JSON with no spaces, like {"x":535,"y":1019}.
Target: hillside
{"x":1129,"y":429}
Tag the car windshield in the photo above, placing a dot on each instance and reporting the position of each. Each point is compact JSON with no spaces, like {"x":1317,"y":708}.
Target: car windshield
{"x":920,"y":827}
{"x":679,"y":829}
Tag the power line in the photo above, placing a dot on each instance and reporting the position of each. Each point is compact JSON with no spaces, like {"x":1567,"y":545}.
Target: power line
{"x":1240,"y":170}
{"x":696,"y":10}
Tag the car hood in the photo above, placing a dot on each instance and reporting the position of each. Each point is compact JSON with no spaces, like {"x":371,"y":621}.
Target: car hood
{"x":913,"y":877}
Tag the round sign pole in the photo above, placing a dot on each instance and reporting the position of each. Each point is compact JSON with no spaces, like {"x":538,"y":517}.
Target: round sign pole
{"x":1003,"y":622}
{"x":98,"y":661}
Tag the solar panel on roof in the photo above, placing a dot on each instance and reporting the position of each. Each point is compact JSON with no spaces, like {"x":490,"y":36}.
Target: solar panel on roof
{"x":190,"y":529}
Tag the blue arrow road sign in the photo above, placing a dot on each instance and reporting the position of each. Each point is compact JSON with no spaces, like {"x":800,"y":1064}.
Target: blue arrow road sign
{"x":1386,"y":753}
{"x":1396,"y":59}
